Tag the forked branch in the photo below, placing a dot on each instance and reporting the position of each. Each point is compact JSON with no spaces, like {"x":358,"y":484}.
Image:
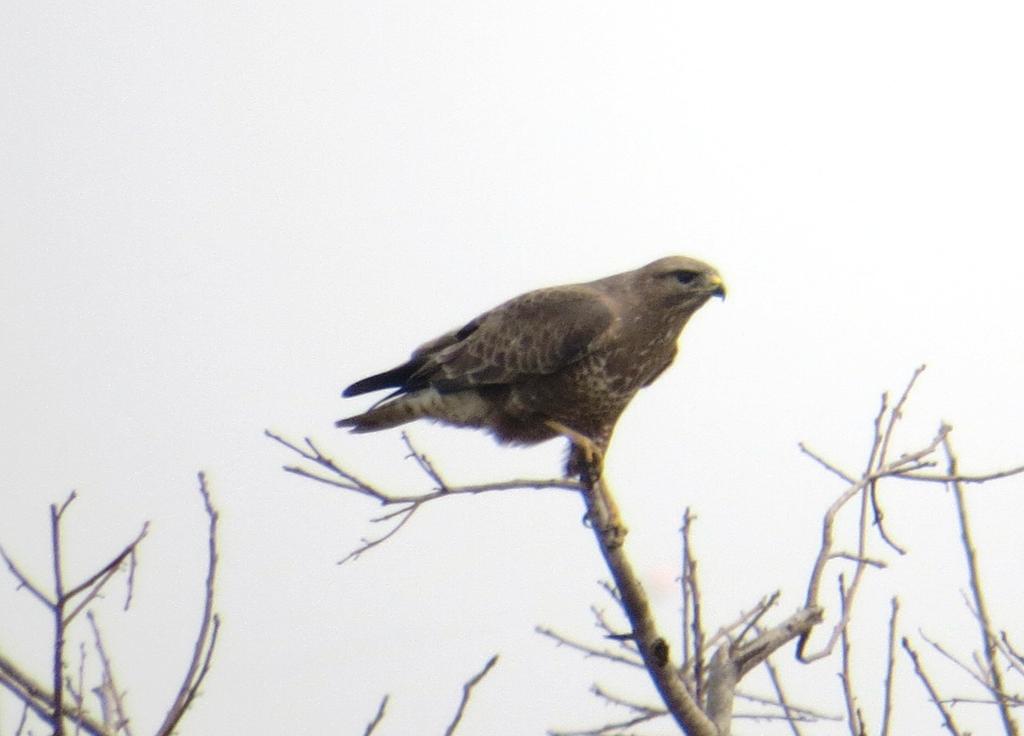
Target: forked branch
{"x":332,"y":474}
{"x":907,"y":466}
{"x":62,"y":704}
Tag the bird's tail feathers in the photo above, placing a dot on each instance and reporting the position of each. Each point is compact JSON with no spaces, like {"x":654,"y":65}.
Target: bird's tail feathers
{"x":461,"y":408}
{"x":394,"y":378}
{"x":385,"y":414}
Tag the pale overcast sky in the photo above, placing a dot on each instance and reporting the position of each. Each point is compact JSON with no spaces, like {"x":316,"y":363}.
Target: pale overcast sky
{"x":213,"y":216}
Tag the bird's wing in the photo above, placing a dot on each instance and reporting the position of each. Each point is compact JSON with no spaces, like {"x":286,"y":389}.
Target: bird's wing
{"x":537,"y":333}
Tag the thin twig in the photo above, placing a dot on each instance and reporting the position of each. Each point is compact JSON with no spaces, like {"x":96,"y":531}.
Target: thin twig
{"x":978,"y":676}
{"x":623,"y":639}
{"x":77,"y":692}
{"x":853,"y":719}
{"x":586,"y":649}
{"x":788,"y":711}
{"x":1015,"y":658}
{"x":24,"y":582}
{"x":339,"y":477}
{"x":988,"y":635}
{"x":960,"y":478}
{"x":111,"y":566}
{"x":684,"y":585}
{"x":93,"y":585}
{"x":206,"y":639}
{"x":693,"y":657}
{"x":21,"y":722}
{"x":627,"y":703}
{"x":880,"y":564}
{"x":58,"y":617}
{"x":761,"y":610}
{"x":642,"y":714}
{"x":890,"y":664}
{"x":882,"y":457}
{"x":424,"y":462}
{"x":1016,"y":701}
{"x":801,"y":713}
{"x":108,"y":686}
{"x":947,"y":717}
{"x":367,"y":544}
{"x":378,"y":717}
{"x":726,"y":630}
{"x":897,"y":413}
{"x":824,"y":463}
{"x":615,"y":727}
{"x":467,"y":691}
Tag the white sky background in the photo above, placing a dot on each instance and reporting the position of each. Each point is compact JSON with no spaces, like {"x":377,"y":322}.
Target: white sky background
{"x":215,"y":216}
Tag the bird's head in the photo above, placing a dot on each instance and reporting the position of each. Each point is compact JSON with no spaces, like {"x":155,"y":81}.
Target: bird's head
{"x":679,"y":281}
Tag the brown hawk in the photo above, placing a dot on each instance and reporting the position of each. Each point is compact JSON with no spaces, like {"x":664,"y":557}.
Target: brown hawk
{"x":565,"y":360}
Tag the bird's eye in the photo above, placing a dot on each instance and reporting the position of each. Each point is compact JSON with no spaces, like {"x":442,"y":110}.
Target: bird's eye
{"x":685,"y":277}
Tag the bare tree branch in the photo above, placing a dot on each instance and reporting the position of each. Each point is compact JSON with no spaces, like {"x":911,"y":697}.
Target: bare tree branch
{"x":606,"y":522}
{"x":788,"y":711}
{"x":853,"y":719}
{"x":960,"y":478}
{"x":341,"y":478}
{"x":699,"y":693}
{"x":93,"y":585}
{"x":111,"y":699}
{"x":372,"y":725}
{"x":947,"y":717}
{"x":980,"y":676}
{"x":890,"y":664}
{"x":729,"y":663}
{"x":588,"y":650}
{"x":693,"y":657}
{"x":825,"y":463}
{"x":879,"y":467}
{"x":206,"y":640}
{"x":38,"y":698}
{"x":1015,"y":658}
{"x":851,"y":557}
{"x":989,"y":639}
{"x":58,"y":617}
{"x":424,"y":462}
{"x":642,"y":714}
{"x":614,"y":727}
{"x":734,"y":658}
{"x":799,"y":712}
{"x":77,"y":693}
{"x":21,"y":722}
{"x":24,"y":582}
{"x":625,"y":641}
{"x":467,"y":691}
{"x":65,"y":700}
{"x":894,"y":417}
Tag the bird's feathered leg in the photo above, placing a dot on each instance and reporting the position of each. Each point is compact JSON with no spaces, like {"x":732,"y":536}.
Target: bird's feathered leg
{"x":586,"y":456}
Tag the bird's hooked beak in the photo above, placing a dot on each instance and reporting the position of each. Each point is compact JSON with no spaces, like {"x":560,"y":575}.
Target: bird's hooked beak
{"x":716,"y":285}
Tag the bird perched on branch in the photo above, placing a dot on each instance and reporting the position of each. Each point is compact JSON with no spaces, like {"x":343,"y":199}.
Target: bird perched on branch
{"x":560,"y":361}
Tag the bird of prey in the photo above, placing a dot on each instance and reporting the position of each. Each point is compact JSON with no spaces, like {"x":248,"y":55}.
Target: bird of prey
{"x":560,"y":361}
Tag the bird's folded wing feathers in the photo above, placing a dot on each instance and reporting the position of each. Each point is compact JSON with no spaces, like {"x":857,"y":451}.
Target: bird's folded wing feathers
{"x":536,"y":333}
